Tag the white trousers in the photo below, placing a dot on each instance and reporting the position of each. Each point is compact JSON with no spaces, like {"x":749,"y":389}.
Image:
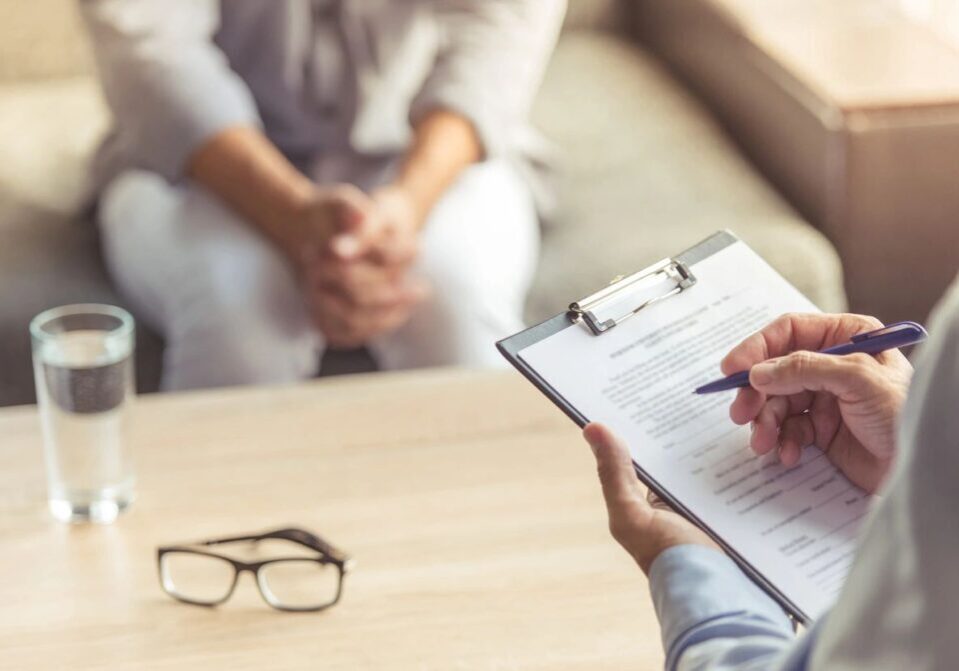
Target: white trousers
{"x":231,"y":312}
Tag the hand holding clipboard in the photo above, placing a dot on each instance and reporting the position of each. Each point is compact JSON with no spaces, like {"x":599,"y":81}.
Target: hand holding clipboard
{"x":627,"y":357}
{"x":861,"y":445}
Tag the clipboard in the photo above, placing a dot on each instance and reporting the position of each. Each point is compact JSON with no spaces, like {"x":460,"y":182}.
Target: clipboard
{"x":626,"y":298}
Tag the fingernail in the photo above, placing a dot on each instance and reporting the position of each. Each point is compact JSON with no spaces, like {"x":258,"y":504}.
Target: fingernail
{"x":345,"y":245}
{"x":762,"y":373}
{"x":589,"y":442}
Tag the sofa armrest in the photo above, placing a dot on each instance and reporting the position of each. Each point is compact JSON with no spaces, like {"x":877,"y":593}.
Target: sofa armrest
{"x":851,"y":110}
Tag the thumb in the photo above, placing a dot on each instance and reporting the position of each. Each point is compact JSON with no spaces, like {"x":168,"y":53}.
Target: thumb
{"x":615,"y":468}
{"x":841,"y":376}
{"x":355,"y":225}
{"x":397,"y":250}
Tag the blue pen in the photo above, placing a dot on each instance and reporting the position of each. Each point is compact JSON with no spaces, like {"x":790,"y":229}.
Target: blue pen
{"x":892,"y":336}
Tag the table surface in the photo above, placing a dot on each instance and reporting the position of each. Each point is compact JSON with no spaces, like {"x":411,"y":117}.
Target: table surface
{"x":468,"y":501}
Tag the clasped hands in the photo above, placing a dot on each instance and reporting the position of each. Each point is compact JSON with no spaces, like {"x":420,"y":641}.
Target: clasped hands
{"x":354,"y":252}
{"x":846,"y":405}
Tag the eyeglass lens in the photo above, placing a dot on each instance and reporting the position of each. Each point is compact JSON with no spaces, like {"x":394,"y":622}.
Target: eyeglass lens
{"x":196,"y":577}
{"x":299,"y":584}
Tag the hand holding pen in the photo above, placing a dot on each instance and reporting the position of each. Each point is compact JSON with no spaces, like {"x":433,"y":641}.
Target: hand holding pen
{"x":801,"y":389}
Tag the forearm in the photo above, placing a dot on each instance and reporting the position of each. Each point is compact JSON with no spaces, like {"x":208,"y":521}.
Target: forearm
{"x":248,"y":173}
{"x":444,"y":144}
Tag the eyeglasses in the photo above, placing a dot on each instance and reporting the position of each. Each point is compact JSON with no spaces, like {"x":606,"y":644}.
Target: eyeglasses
{"x":201,"y":577}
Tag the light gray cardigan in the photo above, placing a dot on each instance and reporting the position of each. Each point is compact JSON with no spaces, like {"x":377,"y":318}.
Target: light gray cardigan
{"x":320,"y":77}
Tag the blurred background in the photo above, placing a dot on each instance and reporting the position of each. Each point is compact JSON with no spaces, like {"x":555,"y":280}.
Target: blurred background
{"x":824,"y":133}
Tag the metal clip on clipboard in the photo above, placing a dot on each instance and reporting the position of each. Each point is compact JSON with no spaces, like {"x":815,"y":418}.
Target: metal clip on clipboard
{"x":594,"y":308}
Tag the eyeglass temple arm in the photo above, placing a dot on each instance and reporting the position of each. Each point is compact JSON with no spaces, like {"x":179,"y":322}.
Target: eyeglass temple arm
{"x":296,"y":535}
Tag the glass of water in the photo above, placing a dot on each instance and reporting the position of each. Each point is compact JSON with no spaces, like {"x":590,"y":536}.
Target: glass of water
{"x":83,"y":366}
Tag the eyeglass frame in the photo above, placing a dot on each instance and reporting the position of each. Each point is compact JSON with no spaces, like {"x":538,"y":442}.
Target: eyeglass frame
{"x":326,"y":554}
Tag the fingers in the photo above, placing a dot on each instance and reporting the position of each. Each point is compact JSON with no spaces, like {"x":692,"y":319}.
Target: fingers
{"x":771,"y":416}
{"x":402,"y":220}
{"x":749,"y":403}
{"x":366,"y":285}
{"x":358,"y":238}
{"x":826,"y":419}
{"x":406,"y":292}
{"x":621,"y":488}
{"x":339,"y":213}
{"x":395,"y":249}
{"x":350,"y":204}
{"x":782,"y":337}
{"x":349,"y":225}
{"x":765,"y":432}
{"x":351,"y":219}
{"x":356,"y":309}
{"x":336,"y":222}
{"x":782,"y":424}
{"x":746,"y":406}
{"x":796,"y":433}
{"x":846,"y":377}
{"x":346,"y":327}
{"x":793,"y":332}
{"x":376,"y":226}
{"x":354,"y":302}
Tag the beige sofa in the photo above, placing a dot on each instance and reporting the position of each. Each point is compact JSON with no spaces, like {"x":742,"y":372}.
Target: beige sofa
{"x":852,"y":110}
{"x":643,"y":171}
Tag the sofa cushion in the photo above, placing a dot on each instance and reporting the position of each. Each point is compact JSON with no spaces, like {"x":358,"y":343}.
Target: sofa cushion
{"x":49,"y":259}
{"x":645,"y":172}
{"x":42,"y":39}
{"x":50,"y":129}
{"x":49,"y":256}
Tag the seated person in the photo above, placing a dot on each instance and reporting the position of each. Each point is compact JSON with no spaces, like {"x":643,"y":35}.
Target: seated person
{"x":291,"y":175}
{"x":896,"y":608}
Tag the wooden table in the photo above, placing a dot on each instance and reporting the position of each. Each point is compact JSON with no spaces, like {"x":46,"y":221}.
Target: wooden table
{"x":469,"y":502}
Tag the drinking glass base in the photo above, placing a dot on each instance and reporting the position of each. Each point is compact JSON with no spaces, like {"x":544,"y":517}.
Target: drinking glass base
{"x":101,"y":511}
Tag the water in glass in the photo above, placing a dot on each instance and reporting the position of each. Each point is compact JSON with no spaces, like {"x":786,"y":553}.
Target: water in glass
{"x":85,"y":390}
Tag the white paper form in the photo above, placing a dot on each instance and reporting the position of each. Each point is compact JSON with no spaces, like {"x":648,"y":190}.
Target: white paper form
{"x":795,"y":526}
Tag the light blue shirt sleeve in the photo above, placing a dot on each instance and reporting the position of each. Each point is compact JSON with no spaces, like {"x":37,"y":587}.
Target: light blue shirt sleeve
{"x":714,"y":618}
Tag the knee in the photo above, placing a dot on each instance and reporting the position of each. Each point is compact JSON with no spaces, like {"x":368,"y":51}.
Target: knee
{"x":459,"y":324}
{"x":461,"y":288}
{"x":132,"y":198}
{"x":238,"y":349}
{"x":238,"y":320}
{"x":249,"y":309}
{"x":261,"y":354}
